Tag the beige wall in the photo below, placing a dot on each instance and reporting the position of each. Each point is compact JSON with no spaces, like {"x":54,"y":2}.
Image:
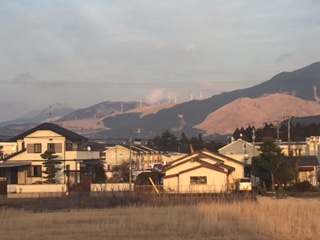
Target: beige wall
{"x":8,"y":148}
{"x":109,"y":187}
{"x":216,"y":181}
{"x":119,"y":154}
{"x":36,"y":188}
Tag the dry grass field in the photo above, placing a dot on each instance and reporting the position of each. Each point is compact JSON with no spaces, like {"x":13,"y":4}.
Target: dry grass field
{"x":281,"y":219}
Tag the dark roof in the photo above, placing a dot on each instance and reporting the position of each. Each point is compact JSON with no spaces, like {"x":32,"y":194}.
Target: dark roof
{"x":304,"y":160}
{"x":10,"y":164}
{"x":72,"y":136}
{"x":308,"y":161}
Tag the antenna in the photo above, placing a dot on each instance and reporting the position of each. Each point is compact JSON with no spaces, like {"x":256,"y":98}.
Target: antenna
{"x":50,"y":114}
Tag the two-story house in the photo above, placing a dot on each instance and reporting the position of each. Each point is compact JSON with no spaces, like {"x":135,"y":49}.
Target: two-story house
{"x":25,"y":166}
{"x":142,"y":156}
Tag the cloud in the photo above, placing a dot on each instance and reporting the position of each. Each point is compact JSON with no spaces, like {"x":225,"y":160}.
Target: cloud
{"x":207,"y":84}
{"x":190,"y":47}
{"x":284,"y":57}
{"x":155,"y":95}
{"x":161,"y":46}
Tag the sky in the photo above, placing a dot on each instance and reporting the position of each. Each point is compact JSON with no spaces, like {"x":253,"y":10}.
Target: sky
{"x":84,"y":52}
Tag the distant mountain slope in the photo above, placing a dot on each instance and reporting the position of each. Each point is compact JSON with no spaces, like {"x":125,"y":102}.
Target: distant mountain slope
{"x":56,"y":111}
{"x":118,"y":119}
{"x":302,"y":83}
{"x":256,"y":112}
{"x":150,"y":109}
{"x":101,"y":110}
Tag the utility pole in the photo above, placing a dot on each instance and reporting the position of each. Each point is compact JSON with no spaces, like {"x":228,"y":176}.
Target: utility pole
{"x":253,"y":142}
{"x":288,"y":119}
{"x":130,"y":162}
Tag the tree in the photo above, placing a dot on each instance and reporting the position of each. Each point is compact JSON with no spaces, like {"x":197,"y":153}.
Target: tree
{"x":271,"y":158}
{"x":50,"y":165}
{"x":99,"y":173}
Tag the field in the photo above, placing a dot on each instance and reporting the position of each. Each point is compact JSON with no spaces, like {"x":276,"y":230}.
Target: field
{"x":267,"y":218}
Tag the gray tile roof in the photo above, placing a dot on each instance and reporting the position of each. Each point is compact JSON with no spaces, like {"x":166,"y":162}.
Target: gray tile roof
{"x":72,"y":136}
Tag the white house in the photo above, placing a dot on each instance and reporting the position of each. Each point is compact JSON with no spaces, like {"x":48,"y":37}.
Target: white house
{"x":25,"y":166}
{"x":143,"y":156}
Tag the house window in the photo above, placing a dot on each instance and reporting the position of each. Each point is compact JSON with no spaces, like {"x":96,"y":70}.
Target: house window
{"x":37,"y":148}
{"x":244,"y":145}
{"x":51,"y":146}
{"x":198,"y":180}
{"x":35,"y":171}
{"x":69,"y":146}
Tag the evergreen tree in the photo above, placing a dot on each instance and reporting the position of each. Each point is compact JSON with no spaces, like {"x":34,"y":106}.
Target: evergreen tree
{"x":50,"y":165}
{"x":99,"y":173}
{"x":271,"y":158}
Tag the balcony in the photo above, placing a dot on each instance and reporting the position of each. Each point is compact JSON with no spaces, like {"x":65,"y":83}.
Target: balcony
{"x":82,"y":155}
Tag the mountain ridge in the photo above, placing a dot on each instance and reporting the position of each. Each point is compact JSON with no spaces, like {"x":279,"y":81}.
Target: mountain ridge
{"x":118,"y":119}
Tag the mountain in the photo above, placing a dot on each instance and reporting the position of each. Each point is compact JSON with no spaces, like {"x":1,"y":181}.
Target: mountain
{"x":287,"y":93}
{"x":55,"y":111}
{"x":273,"y":108}
{"x":302,"y":83}
{"x":102,"y":110}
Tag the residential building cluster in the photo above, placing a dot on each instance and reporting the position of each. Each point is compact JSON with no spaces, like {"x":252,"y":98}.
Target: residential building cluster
{"x":21,"y":164}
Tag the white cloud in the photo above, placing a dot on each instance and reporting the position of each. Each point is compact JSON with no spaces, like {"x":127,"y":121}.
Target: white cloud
{"x":155,"y":95}
{"x":123,"y":50}
{"x":190,"y":47}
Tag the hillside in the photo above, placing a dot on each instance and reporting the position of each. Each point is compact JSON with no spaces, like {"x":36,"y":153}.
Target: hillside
{"x":287,"y":93}
{"x":256,"y":112}
{"x":302,"y":83}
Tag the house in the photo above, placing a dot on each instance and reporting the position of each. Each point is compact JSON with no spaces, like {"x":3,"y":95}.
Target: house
{"x":307,"y":168}
{"x":240,"y":150}
{"x":203,"y":171}
{"x":25,"y":166}
{"x":7,"y":148}
{"x":142,"y":156}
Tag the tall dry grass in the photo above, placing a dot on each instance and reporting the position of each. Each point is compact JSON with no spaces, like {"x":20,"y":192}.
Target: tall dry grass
{"x":280,"y":219}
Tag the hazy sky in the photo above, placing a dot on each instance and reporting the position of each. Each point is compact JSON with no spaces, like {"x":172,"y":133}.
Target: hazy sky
{"x":86,"y":52}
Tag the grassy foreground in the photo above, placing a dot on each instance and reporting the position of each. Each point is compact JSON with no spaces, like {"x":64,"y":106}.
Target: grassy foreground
{"x":281,"y":219}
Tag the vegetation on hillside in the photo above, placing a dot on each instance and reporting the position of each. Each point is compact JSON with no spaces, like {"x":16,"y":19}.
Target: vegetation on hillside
{"x":169,"y":142}
{"x":298,"y":132}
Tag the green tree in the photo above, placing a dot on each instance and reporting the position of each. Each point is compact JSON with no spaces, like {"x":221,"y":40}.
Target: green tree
{"x":51,"y":166}
{"x":271,"y":158}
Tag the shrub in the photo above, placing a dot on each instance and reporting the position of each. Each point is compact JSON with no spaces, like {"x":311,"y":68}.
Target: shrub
{"x":303,"y":186}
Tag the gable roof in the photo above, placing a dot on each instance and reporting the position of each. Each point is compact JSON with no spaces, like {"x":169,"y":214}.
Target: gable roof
{"x":219,"y":156}
{"x":215,"y":167}
{"x":236,"y":142}
{"x":218,"y":166}
{"x":72,"y":136}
